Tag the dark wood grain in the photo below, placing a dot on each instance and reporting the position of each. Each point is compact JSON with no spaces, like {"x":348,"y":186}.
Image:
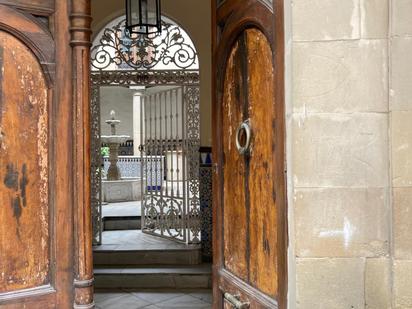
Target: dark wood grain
{"x":41,"y":7}
{"x":232,"y":284}
{"x":33,"y":34}
{"x":64,"y":149}
{"x":263,"y":208}
{"x":41,"y":113}
{"x":235,"y":247}
{"x":80,"y":41}
{"x":24,"y":194}
{"x":249,"y":191}
{"x":280,"y":151}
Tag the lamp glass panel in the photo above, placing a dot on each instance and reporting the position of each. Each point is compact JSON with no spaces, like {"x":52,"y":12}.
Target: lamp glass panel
{"x":143,"y":15}
{"x":134,"y":12}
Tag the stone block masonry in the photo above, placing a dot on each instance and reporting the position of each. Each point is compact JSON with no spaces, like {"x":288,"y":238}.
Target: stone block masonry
{"x":351,"y":154}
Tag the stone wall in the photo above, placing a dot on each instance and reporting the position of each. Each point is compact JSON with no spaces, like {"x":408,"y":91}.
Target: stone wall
{"x":401,"y":150}
{"x":350,"y":153}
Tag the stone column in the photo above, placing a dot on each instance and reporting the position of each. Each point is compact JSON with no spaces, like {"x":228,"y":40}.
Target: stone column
{"x":138,"y":116}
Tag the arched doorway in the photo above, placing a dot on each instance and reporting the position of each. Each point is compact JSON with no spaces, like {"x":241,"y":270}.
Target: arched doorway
{"x":163,"y":70}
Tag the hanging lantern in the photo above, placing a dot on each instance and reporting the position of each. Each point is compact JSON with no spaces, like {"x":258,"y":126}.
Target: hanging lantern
{"x":143,"y":16}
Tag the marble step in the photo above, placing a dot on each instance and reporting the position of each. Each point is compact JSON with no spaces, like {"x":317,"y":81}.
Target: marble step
{"x":132,"y":247}
{"x":155,"y":277}
{"x":186,"y":256}
{"x":121,"y":223}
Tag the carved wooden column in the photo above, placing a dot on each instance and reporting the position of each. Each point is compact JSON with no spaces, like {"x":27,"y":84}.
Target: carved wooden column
{"x":80,"y":41}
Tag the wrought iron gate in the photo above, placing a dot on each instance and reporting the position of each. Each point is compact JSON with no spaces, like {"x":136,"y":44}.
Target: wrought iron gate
{"x":169,"y":58}
{"x":96,"y":166}
{"x":170,"y":137}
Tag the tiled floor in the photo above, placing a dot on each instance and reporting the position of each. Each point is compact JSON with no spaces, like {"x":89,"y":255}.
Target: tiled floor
{"x":136,"y":240}
{"x":126,"y":209}
{"x":129,"y":299}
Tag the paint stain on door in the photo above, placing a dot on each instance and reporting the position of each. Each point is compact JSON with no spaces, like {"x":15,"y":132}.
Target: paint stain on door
{"x":24,"y":183}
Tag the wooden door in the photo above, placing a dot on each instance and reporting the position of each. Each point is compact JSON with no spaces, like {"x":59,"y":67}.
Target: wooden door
{"x":40,"y":251}
{"x":249,"y":181}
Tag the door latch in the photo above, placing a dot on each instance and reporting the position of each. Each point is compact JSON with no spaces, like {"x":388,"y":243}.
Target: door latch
{"x":235,"y":301}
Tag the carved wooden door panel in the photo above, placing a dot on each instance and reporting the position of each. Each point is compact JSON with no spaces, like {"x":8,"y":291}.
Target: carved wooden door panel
{"x":249,"y":199}
{"x":37,"y":246}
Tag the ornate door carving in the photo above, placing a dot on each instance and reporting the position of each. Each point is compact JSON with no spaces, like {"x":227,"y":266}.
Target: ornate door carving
{"x":249,"y":197}
{"x":37,"y":164}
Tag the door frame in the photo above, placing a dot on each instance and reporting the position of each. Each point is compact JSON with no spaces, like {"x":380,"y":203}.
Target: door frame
{"x":58,"y":33}
{"x":187,"y":80}
{"x":184,"y":73}
{"x":81,"y":41}
{"x":229,"y":19}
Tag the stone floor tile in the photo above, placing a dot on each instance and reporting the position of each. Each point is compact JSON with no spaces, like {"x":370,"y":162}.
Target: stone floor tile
{"x":136,"y":240}
{"x":125,"y":301}
{"x":155,"y":297}
{"x":205,"y":296}
{"x":101,"y":295}
{"x":184,"y":301}
{"x":126,"y":209}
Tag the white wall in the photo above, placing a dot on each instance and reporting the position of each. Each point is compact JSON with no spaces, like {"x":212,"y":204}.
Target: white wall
{"x":119,"y":99}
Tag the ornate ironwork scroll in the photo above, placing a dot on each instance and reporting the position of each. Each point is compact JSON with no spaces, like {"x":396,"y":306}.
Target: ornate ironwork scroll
{"x":96,"y":167}
{"x":117,"y":47}
{"x":206,"y":208}
{"x":192,"y":103}
{"x":171,"y":126}
{"x":147,"y":78}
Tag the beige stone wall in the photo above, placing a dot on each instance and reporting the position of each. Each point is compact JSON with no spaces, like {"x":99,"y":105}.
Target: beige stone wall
{"x":350,"y":149}
{"x":195,"y":17}
{"x":401,"y":150}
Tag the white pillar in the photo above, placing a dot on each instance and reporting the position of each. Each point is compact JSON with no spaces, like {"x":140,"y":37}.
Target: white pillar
{"x":138,"y":118}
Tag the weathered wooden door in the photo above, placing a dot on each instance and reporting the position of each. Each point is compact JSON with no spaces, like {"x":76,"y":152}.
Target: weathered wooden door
{"x":249,"y":180}
{"x":42,"y":249}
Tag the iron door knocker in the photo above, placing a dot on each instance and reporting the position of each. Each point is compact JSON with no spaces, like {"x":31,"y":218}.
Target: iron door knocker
{"x":244,"y":130}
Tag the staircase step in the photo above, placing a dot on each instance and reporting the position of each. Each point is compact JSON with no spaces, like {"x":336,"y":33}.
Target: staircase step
{"x":153,"y":276}
{"x":133,"y":247}
{"x":144,"y":257}
{"x":122,"y":223}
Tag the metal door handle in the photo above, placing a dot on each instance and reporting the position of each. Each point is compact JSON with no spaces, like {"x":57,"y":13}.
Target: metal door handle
{"x":234,"y":300}
{"x":244,"y":128}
